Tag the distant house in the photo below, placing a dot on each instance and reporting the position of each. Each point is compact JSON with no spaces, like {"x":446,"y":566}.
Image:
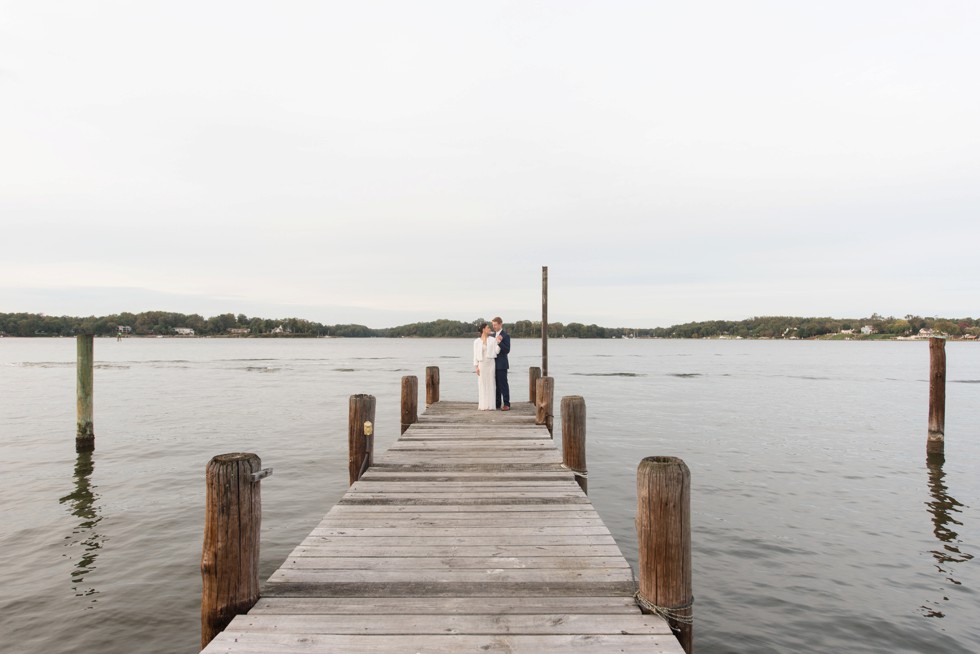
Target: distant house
{"x":847,"y":331}
{"x":925,"y":332}
{"x":183,"y":331}
{"x":867,"y":329}
{"x":124,"y":329}
{"x":238,"y":331}
{"x":281,"y":330}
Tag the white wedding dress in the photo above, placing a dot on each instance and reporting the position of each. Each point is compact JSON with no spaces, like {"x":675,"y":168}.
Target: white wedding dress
{"x":484,"y":356}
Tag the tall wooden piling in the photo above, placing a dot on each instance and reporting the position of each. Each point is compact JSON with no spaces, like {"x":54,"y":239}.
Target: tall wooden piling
{"x":663,"y":528}
{"x":533,"y":374}
{"x":232,"y":524}
{"x":544,"y":321}
{"x":360,"y":435}
{"x":84,"y":387}
{"x":573,"y":438}
{"x":431,"y":385}
{"x":936,"y":441}
{"x":545,"y":405}
{"x":410,"y":401}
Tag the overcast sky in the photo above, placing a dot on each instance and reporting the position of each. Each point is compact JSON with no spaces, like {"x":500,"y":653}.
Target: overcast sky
{"x":389,"y":162}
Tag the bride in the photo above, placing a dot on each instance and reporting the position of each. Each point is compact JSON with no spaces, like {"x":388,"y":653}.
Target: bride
{"x":485,"y":350}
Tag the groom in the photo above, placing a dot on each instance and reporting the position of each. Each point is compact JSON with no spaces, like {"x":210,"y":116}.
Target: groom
{"x":500,"y":373}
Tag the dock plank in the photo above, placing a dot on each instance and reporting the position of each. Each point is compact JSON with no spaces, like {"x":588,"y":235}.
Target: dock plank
{"x":472,"y":623}
{"x":446,"y":562}
{"x":443,"y":605}
{"x":243,"y":642}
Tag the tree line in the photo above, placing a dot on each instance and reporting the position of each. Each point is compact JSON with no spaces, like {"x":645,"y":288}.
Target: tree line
{"x":875,"y":326}
{"x":165,"y":323}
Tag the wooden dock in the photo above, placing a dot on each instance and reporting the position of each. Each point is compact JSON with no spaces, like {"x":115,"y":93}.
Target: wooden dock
{"x":467,"y":535}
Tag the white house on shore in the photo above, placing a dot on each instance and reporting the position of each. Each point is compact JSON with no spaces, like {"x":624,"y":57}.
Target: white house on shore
{"x":183,"y":331}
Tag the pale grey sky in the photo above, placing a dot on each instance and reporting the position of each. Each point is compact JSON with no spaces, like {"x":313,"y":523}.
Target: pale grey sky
{"x":388,"y":162}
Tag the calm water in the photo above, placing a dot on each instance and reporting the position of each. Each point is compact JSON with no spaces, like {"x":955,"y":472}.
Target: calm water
{"x":817,"y":524}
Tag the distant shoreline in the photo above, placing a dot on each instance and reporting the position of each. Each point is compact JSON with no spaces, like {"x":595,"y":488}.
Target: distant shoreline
{"x":865,"y":339}
{"x":152,"y":324}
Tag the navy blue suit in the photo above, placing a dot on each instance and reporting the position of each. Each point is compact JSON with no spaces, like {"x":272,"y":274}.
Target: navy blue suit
{"x":500,"y":371}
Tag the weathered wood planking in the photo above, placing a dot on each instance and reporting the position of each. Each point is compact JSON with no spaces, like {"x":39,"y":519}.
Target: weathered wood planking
{"x":466,"y":535}
{"x":279,"y":642}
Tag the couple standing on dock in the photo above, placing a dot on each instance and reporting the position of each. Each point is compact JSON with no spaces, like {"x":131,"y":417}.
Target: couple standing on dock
{"x":490,"y":350}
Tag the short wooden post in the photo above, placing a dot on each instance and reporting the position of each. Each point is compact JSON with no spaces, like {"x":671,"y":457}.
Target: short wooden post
{"x":410,"y":401}
{"x":936,"y":441}
{"x":360,"y":435}
{"x":545,"y":406}
{"x":232,"y":524}
{"x":431,"y":385}
{"x":533,"y":374}
{"x":573,"y":438}
{"x":663,"y":528}
{"x":85,"y":434}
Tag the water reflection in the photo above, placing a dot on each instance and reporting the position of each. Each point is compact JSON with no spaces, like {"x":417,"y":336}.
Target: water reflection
{"x":942,"y":506}
{"x":82,"y":504}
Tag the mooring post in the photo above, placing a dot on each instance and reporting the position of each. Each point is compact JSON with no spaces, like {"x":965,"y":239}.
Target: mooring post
{"x":533,"y":374}
{"x":232,"y":527}
{"x":936,"y":441}
{"x":410,"y":401}
{"x":544,"y":320}
{"x":663,"y":529}
{"x":545,"y":405}
{"x":85,"y":433}
{"x":573,"y":438}
{"x":431,"y":385}
{"x":360,"y":435}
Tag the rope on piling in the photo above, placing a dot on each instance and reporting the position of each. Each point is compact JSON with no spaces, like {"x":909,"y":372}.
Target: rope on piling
{"x":364,"y":467}
{"x":668,"y":613}
{"x":681,"y":614}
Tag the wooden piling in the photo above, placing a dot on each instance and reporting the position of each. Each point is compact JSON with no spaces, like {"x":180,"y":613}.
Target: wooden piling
{"x":545,"y":404}
{"x":663,"y":528}
{"x":431,"y":385}
{"x":410,"y":401}
{"x":534,"y":374}
{"x":936,"y":440}
{"x":360,"y":435}
{"x":232,"y":524}
{"x":573,"y":438}
{"x":85,"y":433}
{"x":544,"y":321}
